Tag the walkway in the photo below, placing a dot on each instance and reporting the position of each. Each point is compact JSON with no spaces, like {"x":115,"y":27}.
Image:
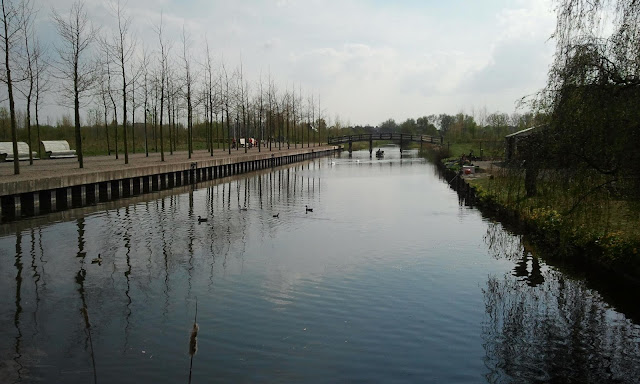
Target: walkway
{"x":48,"y":174}
{"x":57,"y":185}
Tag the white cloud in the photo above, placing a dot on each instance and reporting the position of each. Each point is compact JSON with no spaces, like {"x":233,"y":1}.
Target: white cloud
{"x":519,"y":56}
{"x":369,"y":61}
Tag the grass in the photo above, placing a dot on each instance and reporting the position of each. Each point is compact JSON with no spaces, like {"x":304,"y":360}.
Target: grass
{"x":569,"y":215}
{"x":487,"y":149}
{"x":599,"y":225}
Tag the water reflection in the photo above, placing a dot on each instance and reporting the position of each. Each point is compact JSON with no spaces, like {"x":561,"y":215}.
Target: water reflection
{"x":84,"y":310}
{"x":543,"y":326}
{"x":127,"y":275}
{"x":142,"y":247}
{"x":503,"y":245}
{"x":18,"y":311}
{"x":37,"y":277}
{"x":528,"y":269}
{"x":559,"y":329}
{"x":347,"y":293}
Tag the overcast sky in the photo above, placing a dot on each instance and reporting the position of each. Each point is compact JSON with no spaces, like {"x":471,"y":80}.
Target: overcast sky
{"x":368,"y":60}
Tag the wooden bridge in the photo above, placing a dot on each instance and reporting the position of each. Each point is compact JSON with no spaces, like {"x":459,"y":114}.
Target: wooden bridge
{"x":397,"y":137}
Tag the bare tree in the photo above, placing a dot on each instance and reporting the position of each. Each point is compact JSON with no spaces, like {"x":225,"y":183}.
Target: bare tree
{"x":301,"y":115}
{"x":285,"y":113}
{"x":80,"y":74}
{"x":241,"y":101}
{"x":163,"y":74}
{"x":173,"y":92}
{"x":29,"y":66}
{"x":134,"y":107}
{"x":209,"y":95}
{"x":246,"y":114}
{"x":226,"y":103}
{"x":261,"y":114}
{"x":120,"y":48}
{"x":103,"y":95}
{"x":10,"y":36}
{"x":293,"y":107}
{"x":318,"y":124}
{"x":188,"y":83}
{"x":310,"y":111}
{"x":145,"y":65}
{"x":41,"y":85}
{"x":110,"y":93}
{"x":156,"y":101}
{"x":257,"y":119}
{"x":271,"y":97}
{"x":171,"y":108}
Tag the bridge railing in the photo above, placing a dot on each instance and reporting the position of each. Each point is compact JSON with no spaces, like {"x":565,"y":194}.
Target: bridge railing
{"x":403,"y":137}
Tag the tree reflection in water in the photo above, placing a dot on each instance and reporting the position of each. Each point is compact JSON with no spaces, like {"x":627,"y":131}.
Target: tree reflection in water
{"x":542,"y":326}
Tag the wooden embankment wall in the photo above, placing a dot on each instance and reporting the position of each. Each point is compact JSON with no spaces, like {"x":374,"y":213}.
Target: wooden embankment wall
{"x":54,"y":185}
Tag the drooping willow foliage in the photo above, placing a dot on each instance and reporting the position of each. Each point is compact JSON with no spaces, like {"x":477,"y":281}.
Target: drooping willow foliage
{"x":592,"y":97}
{"x":598,"y":42}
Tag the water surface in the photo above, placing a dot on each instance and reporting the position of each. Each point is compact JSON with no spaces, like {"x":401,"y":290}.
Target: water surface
{"x":389,"y":279}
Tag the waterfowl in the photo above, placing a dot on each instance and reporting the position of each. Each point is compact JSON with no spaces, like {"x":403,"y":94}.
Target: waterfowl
{"x":202,"y":219}
{"x":277,"y":215}
{"x":97,"y":260}
{"x":242,"y":208}
{"x":307,"y":209}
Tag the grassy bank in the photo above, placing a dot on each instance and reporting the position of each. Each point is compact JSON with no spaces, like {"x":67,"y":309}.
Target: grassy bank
{"x":486,"y":149}
{"x":567,"y":216}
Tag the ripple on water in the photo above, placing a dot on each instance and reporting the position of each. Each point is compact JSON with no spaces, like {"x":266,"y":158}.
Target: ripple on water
{"x":416,"y":289}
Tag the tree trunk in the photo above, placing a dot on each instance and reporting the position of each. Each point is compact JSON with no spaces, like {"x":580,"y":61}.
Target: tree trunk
{"x":106,"y":129}
{"x":12,"y":107}
{"x":133,"y":117}
{"x":124,"y":116}
{"x":171,"y":138}
{"x":161,"y":110}
{"x":530,"y":179}
{"x":29,"y":129}
{"x":76,"y":105}
{"x":38,"y":129}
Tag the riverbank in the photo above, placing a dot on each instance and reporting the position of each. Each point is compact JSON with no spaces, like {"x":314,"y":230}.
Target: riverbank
{"x":584,"y":241}
{"x":54,"y":185}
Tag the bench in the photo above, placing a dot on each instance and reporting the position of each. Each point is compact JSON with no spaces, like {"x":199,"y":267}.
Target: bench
{"x":250,"y":142}
{"x":6,"y":151}
{"x":58,"y":149}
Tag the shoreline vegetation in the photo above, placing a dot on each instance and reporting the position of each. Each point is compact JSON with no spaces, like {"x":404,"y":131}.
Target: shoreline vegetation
{"x":591,"y":229}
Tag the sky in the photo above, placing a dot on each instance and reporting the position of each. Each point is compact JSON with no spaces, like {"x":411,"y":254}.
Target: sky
{"x":367,"y":60}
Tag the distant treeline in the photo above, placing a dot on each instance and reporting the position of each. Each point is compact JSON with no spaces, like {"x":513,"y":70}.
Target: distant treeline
{"x":460,"y":127}
{"x":455,"y":128}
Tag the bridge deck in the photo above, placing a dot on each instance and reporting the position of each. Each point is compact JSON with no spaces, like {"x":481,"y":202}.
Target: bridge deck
{"x":385,"y":137}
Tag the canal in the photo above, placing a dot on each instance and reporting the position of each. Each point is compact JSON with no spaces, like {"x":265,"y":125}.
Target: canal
{"x":389,"y":279}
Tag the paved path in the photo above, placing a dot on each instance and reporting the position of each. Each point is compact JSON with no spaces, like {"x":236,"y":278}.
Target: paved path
{"x":42,"y":170}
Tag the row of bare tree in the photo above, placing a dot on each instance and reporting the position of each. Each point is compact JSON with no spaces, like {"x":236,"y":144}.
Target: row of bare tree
{"x":108,"y":70}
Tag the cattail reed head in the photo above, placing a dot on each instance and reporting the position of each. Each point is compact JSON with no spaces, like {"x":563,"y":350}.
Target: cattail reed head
{"x":193,"y":340}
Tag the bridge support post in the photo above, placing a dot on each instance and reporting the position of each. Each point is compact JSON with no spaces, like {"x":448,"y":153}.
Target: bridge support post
{"x":350,"y":146}
{"x":401,"y":144}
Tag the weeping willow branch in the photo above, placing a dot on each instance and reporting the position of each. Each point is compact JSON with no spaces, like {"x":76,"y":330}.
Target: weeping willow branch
{"x":589,"y":192}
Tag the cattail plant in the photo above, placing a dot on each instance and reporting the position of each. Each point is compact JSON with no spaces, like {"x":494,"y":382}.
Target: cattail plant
{"x":193,"y":340}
